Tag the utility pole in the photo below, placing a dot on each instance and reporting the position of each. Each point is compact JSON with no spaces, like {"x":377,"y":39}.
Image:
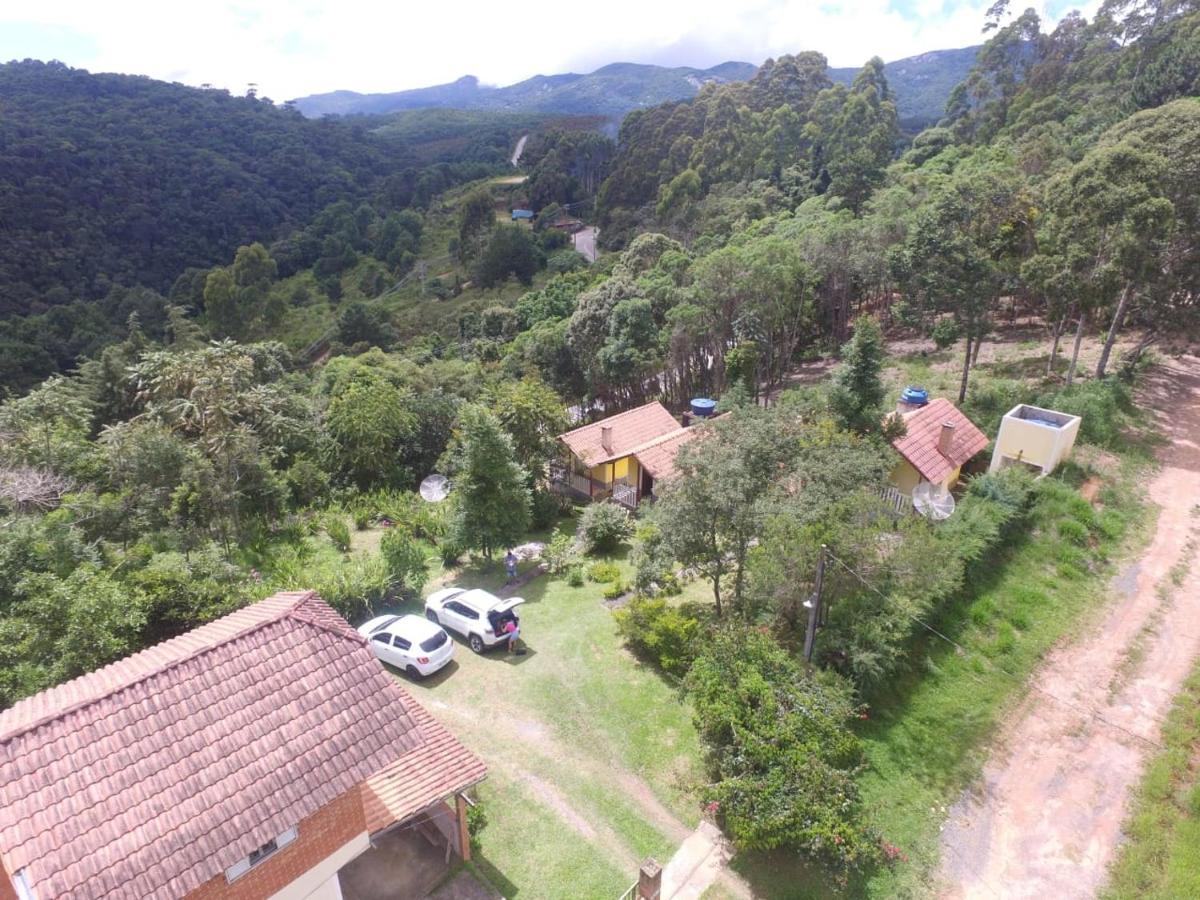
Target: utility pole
{"x":814,"y":609}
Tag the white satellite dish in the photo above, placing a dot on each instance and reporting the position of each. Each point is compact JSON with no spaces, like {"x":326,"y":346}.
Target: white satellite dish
{"x":435,"y":488}
{"x":933,"y":501}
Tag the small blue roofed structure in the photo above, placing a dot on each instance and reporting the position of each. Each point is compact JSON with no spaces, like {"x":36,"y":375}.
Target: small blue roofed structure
{"x":704,"y":407}
{"x":521,"y":215}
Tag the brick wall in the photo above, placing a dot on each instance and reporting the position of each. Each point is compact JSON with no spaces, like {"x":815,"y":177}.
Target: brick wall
{"x":329,"y":828}
{"x":7,"y":891}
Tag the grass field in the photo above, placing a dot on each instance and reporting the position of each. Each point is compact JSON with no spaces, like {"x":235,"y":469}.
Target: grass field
{"x":1162,"y":857}
{"x":593,"y":761}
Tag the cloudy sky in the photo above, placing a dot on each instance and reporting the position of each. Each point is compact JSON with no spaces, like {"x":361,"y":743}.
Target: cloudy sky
{"x":295,"y":47}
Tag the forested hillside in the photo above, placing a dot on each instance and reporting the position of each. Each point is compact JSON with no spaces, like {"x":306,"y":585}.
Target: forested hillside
{"x":118,"y":180}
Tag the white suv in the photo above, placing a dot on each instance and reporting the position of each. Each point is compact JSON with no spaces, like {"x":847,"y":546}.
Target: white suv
{"x":475,"y":614}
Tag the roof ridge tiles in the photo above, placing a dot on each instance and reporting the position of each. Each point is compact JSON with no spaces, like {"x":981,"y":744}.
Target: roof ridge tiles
{"x":608,"y":420}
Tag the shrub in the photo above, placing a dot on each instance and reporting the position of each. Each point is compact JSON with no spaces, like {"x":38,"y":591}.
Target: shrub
{"x":944,"y":333}
{"x":339,"y":532}
{"x":544,"y":509}
{"x":307,"y":482}
{"x":604,"y":526}
{"x":575,"y":576}
{"x":615,"y":590}
{"x":663,"y":634}
{"x":604,"y":572}
{"x":405,"y":559}
{"x":784,"y":756}
{"x":476,"y":821}
{"x":451,"y":553}
{"x":1103,"y":405}
{"x":559,"y":554}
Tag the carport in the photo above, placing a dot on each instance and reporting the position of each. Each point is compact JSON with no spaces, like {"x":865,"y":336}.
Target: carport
{"x":408,"y":859}
{"x":416,"y":812}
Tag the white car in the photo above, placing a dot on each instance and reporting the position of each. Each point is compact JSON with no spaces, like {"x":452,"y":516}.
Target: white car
{"x":411,"y":643}
{"x":475,"y":614}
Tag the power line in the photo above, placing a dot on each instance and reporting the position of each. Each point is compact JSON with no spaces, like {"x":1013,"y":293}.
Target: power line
{"x":1091,"y":713}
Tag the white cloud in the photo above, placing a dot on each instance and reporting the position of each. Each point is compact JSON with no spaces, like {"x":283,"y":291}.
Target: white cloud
{"x":295,"y":48}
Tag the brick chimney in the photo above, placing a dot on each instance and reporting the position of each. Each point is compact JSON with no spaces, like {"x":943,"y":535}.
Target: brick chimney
{"x":606,"y":438}
{"x":946,"y":438}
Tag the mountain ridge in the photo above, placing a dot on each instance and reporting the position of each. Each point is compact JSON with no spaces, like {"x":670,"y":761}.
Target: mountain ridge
{"x":921,"y":83}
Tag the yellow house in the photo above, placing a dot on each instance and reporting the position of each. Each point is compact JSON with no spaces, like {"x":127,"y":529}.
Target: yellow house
{"x":1035,"y":437}
{"x":938,"y":440}
{"x":622,"y":456}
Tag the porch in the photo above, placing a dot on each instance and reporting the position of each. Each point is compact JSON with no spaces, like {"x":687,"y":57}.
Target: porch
{"x":618,"y":481}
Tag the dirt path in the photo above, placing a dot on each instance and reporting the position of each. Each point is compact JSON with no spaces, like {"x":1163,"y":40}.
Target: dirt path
{"x":1046,"y":817}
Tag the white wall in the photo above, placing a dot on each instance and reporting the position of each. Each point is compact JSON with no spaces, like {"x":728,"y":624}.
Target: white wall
{"x":321,"y":881}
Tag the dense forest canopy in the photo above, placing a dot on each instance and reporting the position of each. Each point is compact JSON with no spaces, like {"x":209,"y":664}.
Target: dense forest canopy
{"x":120,"y":180}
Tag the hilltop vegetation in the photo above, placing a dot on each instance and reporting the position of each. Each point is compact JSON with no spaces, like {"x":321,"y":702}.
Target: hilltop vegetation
{"x":922,"y":84}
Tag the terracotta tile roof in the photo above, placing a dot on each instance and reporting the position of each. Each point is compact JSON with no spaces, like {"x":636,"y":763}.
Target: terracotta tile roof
{"x":920,"y":445}
{"x":439,"y":767}
{"x":152,"y":775}
{"x":630,"y":429}
{"x":658,"y":456}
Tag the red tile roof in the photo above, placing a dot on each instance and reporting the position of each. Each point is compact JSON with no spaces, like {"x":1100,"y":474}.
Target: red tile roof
{"x":920,"y":444}
{"x":630,"y":429}
{"x":658,"y":456}
{"x":152,"y":775}
{"x":439,"y":767}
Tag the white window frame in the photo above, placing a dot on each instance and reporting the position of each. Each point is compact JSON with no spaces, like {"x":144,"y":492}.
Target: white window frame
{"x":245,"y":864}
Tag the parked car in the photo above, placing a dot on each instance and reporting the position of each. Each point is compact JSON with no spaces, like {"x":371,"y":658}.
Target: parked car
{"x":417,"y":646}
{"x":475,"y":614}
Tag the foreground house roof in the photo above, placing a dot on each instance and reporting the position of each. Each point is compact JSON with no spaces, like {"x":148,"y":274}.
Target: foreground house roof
{"x":154,"y":774}
{"x":920,"y":444}
{"x":630,"y":429}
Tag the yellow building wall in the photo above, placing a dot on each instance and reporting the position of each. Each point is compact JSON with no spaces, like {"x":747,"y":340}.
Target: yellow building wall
{"x":905,"y":477}
{"x":626,"y":468}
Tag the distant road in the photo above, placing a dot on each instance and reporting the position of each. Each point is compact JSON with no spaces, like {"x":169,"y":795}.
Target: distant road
{"x":585,"y":242}
{"x":516,"y":157}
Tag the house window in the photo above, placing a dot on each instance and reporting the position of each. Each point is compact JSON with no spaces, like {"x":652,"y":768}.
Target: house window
{"x":260,"y":854}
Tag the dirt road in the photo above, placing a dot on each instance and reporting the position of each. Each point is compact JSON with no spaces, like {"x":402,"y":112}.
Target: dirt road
{"x":1045,"y":819}
{"x":585,"y":242}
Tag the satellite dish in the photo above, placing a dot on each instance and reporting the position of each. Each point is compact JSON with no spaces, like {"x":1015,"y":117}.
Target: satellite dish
{"x":435,"y":488}
{"x":933,"y":501}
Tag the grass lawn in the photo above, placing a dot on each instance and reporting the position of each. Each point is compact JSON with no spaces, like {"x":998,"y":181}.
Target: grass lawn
{"x":1162,"y":857}
{"x":593,"y":761}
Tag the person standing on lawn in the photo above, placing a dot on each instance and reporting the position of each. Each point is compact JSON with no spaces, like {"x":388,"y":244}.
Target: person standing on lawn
{"x":510,"y":565}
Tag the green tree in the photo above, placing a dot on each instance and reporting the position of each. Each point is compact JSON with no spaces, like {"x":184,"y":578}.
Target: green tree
{"x":510,"y":251}
{"x":370,"y":423}
{"x":857,"y":393}
{"x":714,"y":508}
{"x":533,"y":415}
{"x":491,"y":489}
{"x":476,"y":218}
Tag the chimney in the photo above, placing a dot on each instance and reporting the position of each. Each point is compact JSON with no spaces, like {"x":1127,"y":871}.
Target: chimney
{"x":946,"y":438}
{"x":606,"y":438}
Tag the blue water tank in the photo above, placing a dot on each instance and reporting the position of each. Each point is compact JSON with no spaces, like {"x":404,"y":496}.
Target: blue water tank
{"x":703,"y":407}
{"x":917,"y":396}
